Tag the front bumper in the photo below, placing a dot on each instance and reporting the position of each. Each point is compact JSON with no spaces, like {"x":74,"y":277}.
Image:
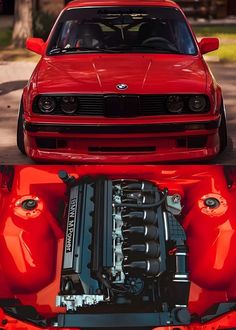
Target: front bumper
{"x":142,"y":143}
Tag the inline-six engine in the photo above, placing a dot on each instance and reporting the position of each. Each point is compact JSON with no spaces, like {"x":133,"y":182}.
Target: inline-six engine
{"x":123,"y":246}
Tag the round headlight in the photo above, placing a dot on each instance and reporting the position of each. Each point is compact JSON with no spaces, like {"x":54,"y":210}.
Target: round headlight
{"x":175,"y":104}
{"x":47,"y":104}
{"x":69,"y":104}
{"x":197,"y":103}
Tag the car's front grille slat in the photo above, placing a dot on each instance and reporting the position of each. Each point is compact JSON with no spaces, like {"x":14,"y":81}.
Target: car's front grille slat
{"x":152,"y":105}
{"x":91,"y":106}
{"x":121,"y":106}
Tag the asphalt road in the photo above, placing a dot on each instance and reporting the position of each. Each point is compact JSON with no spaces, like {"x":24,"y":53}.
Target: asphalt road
{"x":14,"y":75}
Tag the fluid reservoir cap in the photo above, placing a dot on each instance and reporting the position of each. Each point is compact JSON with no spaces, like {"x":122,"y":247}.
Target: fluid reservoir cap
{"x":212,"y":202}
{"x":183,"y":315}
{"x":29,"y":204}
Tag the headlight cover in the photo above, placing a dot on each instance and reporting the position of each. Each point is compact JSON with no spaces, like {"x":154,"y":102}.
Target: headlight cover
{"x":180,"y":104}
{"x":197,"y":103}
{"x":175,"y":103}
{"x":46,"y":104}
{"x":69,"y":104}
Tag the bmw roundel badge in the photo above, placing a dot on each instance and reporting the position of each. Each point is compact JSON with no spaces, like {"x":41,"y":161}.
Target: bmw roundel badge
{"x":121,"y":87}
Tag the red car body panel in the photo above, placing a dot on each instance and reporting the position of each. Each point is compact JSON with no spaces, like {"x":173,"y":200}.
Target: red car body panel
{"x":145,"y":74}
{"x":31,"y":242}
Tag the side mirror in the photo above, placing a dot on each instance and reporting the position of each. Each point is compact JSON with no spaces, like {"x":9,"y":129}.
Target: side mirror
{"x":208,"y":45}
{"x":36,"y":45}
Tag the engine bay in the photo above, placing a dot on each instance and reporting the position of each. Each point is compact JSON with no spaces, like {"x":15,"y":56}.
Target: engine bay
{"x":123,"y":246}
{"x":134,"y":246}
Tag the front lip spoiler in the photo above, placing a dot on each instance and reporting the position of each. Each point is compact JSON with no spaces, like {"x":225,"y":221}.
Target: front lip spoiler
{"x":121,"y":129}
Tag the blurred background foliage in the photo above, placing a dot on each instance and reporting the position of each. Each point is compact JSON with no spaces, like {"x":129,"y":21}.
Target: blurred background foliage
{"x":42,"y":24}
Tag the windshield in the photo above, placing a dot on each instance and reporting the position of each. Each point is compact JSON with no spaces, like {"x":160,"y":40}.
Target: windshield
{"x":122,"y":29}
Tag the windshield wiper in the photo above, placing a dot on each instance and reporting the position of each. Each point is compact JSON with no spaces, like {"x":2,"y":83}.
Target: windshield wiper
{"x":80,"y":49}
{"x":118,"y":49}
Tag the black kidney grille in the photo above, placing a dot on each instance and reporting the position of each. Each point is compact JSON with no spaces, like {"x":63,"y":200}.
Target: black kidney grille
{"x":119,"y":106}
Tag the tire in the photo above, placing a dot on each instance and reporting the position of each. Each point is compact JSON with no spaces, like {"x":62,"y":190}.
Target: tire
{"x":223,"y":133}
{"x":20,"y":130}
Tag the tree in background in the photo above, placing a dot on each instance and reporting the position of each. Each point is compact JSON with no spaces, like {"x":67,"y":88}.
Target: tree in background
{"x":30,"y":20}
{"x":23,"y":22}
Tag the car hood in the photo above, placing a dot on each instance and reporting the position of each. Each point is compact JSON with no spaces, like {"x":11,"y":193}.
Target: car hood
{"x":142,"y":73}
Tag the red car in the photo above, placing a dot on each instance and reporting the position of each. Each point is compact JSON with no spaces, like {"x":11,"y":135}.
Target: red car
{"x":134,"y":247}
{"x":122,"y":82}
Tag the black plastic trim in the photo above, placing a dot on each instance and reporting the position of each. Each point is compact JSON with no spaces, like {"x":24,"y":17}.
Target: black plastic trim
{"x":119,"y":105}
{"x":120,"y":129}
{"x":124,"y":320}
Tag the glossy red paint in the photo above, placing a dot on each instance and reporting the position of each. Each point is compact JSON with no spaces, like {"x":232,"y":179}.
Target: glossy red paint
{"x":207,"y":45}
{"x":18,"y":234}
{"x":36,"y":45}
{"x":144,"y":74}
{"x":31,"y":242}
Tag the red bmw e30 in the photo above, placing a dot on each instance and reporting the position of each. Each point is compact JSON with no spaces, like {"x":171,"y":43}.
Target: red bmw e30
{"x":122,"y":81}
